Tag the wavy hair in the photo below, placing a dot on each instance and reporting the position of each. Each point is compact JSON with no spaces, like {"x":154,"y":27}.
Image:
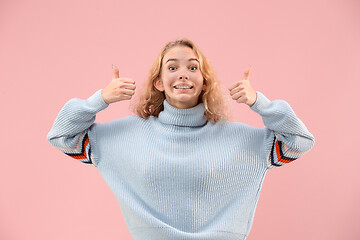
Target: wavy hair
{"x":151,"y":100}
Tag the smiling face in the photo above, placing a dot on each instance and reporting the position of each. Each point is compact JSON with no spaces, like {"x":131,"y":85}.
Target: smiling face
{"x":180,"y":78}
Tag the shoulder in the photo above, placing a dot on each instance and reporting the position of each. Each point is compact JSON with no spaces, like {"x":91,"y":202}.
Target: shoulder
{"x":122,"y":124}
{"x":225,"y":124}
{"x":238,"y":128}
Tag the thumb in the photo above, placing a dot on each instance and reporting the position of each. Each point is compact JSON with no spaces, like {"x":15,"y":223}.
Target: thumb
{"x":115,"y":72}
{"x":247,"y":73}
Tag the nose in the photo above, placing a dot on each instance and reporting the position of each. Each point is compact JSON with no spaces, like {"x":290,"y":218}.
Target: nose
{"x":183,"y":76}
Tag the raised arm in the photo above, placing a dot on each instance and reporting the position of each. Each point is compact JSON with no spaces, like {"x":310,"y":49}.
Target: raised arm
{"x":286,"y":137}
{"x":74,"y":131}
{"x":73,"y":126}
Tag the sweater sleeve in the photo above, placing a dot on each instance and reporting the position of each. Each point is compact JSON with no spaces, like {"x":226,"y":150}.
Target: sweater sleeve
{"x":73,"y":131}
{"x":286,"y":136}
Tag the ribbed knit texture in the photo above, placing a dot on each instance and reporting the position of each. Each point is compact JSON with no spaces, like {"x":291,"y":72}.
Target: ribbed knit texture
{"x":179,"y":176}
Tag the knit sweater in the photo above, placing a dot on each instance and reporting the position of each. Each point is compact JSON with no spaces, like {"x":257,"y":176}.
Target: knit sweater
{"x":179,"y":176}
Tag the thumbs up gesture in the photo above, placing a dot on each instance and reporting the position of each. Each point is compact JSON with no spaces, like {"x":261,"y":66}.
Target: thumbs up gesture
{"x":118,"y":89}
{"x":242,"y":92}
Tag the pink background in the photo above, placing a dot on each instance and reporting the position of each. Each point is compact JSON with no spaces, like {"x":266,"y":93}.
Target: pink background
{"x":305,"y":52}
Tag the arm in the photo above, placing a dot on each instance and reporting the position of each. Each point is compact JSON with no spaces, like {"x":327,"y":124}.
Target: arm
{"x":286,"y":137}
{"x":73,"y":130}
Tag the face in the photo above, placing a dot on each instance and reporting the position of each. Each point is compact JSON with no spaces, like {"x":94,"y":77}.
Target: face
{"x":180,"y":78}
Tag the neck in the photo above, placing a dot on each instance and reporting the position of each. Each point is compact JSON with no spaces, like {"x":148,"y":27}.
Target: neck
{"x":189,"y":117}
{"x":182,"y":105}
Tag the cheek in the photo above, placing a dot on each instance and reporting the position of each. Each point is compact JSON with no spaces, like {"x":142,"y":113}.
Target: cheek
{"x":199,"y":78}
{"x":169,"y":80}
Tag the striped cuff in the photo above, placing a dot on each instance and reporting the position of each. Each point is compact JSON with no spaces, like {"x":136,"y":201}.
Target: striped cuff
{"x":83,"y":151}
{"x":277,"y":155}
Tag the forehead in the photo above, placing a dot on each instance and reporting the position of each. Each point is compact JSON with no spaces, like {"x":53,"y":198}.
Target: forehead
{"x":179,"y":52}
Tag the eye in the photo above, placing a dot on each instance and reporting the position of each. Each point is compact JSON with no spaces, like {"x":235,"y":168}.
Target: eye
{"x":193,"y":67}
{"x":171,"y":68}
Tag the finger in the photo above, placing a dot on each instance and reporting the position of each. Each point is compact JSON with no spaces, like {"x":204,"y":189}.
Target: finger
{"x":128,"y":86}
{"x":247,"y":73}
{"x":115,"y":72}
{"x":241,"y":99}
{"x":127,"y":97}
{"x":240,"y":85}
{"x":234,"y":85}
{"x":128,"y":92}
{"x":128,"y":80}
{"x":235,"y":90}
{"x":237,"y":95}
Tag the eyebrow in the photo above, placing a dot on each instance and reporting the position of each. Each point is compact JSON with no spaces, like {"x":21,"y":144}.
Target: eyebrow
{"x":174,"y":59}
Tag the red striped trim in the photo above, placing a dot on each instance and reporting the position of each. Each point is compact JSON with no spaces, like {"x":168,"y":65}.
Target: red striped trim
{"x":280,"y":154}
{"x":82,"y":154}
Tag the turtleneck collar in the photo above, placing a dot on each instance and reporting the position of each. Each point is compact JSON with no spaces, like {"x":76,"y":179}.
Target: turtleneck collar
{"x":190,"y":117}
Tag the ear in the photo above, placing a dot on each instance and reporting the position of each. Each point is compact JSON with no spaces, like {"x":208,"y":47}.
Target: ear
{"x":204,"y":86}
{"x":158,"y":84}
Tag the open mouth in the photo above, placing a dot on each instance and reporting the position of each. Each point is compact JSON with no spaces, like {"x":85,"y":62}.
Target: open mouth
{"x":183,"y":87}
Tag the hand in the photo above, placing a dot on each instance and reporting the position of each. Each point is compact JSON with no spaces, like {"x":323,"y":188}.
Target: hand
{"x":118,"y":89}
{"x":242,"y":92}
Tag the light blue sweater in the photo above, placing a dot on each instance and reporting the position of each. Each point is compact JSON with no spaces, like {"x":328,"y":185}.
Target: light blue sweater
{"x":179,"y":176}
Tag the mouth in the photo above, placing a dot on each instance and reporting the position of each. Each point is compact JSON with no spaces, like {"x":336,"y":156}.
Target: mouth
{"x":183,"y":87}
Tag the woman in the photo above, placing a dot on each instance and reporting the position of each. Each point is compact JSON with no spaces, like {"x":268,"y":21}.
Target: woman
{"x":179,"y":169}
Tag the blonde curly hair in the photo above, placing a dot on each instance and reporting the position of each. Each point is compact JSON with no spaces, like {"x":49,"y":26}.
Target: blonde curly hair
{"x":151,"y":100}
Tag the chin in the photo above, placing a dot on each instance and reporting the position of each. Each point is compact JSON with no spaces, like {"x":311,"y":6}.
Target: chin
{"x":185,"y":100}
